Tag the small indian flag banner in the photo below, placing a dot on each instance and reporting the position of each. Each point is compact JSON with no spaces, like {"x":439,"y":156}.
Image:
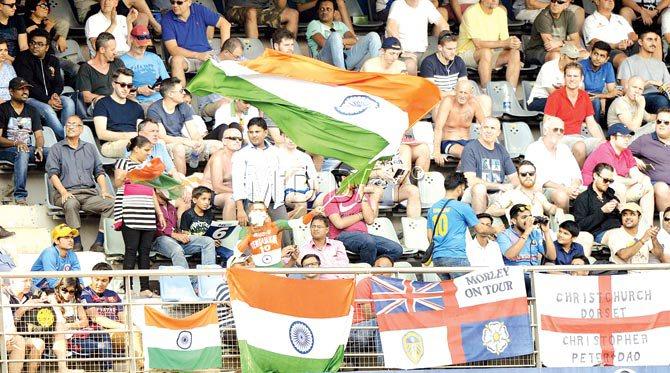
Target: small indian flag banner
{"x":351,"y":116}
{"x":290,"y":325}
{"x":191,"y":343}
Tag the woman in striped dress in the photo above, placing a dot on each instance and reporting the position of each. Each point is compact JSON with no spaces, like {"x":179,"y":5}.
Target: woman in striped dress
{"x":135,"y":210}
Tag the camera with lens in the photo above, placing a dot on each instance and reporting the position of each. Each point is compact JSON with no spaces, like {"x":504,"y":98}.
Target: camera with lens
{"x":542,"y":220}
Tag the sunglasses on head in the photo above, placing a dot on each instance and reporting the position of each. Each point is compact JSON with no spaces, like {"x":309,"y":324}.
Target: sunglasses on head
{"x":663,"y":122}
{"x":524,"y":174}
{"x":443,"y":36}
{"x":125,"y":85}
{"x":235,"y":138}
{"x":524,"y":208}
{"x":43,"y":6}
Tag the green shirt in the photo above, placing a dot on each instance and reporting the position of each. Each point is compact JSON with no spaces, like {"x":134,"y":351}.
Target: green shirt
{"x":317,"y":27}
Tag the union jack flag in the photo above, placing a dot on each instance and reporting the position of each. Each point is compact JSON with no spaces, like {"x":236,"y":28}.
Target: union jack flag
{"x":392,"y":295}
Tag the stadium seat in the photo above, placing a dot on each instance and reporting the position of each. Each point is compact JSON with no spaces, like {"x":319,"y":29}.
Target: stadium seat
{"x":423,"y":132}
{"x":63,"y":11}
{"x":517,"y":137}
{"x":72,"y":53}
{"x":207,"y":284}
{"x":383,"y":227}
{"x":415,"y":233}
{"x":526,"y":87}
{"x":87,"y":135}
{"x":502,"y":92}
{"x":176,"y":288}
{"x":207,"y":3}
{"x":49,"y":192}
{"x":49,"y":137}
{"x":359,"y":19}
{"x":215,"y":44}
{"x":114,"y":246}
{"x":405,"y":276}
{"x":325,"y":182}
{"x":645,"y":129}
{"x":301,"y":232}
{"x":474,"y":131}
{"x":253,"y":48}
{"x":431,"y":277}
{"x":24,"y":262}
{"x":431,"y":188}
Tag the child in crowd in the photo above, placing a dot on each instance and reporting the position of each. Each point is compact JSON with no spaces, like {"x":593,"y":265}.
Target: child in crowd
{"x":198,"y":218}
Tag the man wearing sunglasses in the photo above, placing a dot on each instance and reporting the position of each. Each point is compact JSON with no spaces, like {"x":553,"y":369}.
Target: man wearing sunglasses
{"x":596,"y":209}
{"x":148,"y":67}
{"x":629,"y":108}
{"x":115,"y":117}
{"x":653,"y":152}
{"x":553,"y":28}
{"x":630,"y":184}
{"x":218,"y":172}
{"x":185,"y":35}
{"x":42,"y":70}
{"x":12,"y":28}
{"x":37,"y":16}
{"x":557,"y":170}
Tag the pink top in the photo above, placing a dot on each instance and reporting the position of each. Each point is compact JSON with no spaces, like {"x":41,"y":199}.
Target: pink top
{"x":604,"y":153}
{"x":332,"y":255}
{"x":345,"y":206}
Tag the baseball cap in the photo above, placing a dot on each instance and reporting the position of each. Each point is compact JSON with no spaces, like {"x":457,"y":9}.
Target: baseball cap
{"x":570,"y":50}
{"x":619,"y":129}
{"x":141,"y":34}
{"x":18,"y":83}
{"x":391,"y":43}
{"x":631,"y":206}
{"x":63,"y":230}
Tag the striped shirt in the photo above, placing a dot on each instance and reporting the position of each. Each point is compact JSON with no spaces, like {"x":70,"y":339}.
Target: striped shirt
{"x":445,"y":77}
{"x":223,"y":310}
{"x":136,"y":212}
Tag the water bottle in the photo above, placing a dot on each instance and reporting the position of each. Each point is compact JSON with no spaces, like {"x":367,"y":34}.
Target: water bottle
{"x":194,"y":159}
{"x":507,"y":103}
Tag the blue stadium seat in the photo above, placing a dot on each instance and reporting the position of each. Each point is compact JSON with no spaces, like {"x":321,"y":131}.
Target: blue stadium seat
{"x":176,"y":288}
{"x":504,"y":100}
{"x":87,"y":135}
{"x":207,"y":284}
{"x":49,"y":137}
{"x":114,"y":246}
{"x":253,"y":48}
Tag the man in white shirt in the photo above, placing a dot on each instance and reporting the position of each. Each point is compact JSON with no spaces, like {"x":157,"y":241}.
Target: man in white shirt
{"x":632,"y":243}
{"x":106,"y":20}
{"x":550,"y":77}
{"x":257,"y":176}
{"x":664,"y":237}
{"x":483,"y":251}
{"x":557,"y":170}
{"x":408,"y":22}
{"x":629,"y":108}
{"x":613,"y":29}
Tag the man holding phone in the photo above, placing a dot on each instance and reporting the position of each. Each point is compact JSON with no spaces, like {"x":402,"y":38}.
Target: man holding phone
{"x":595,"y":209}
{"x":148,"y":67}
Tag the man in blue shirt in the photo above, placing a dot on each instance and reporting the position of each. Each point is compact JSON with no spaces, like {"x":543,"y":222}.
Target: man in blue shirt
{"x":449,"y":219}
{"x":522,"y":243}
{"x":566,"y":247}
{"x":185,"y":35}
{"x":599,"y":79}
{"x":57,"y":257}
{"x":147,"y":66}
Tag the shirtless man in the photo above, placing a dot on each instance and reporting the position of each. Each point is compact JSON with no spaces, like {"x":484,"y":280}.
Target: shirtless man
{"x":453,"y":121}
{"x":218,"y":172}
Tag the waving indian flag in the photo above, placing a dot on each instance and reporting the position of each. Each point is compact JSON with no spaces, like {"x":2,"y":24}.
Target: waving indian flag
{"x":290,"y":325}
{"x":351,"y":116}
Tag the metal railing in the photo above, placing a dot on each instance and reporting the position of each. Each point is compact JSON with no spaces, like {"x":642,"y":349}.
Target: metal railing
{"x":95,"y":349}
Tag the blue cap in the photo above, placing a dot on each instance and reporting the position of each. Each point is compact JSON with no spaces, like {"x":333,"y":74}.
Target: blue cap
{"x":619,"y":129}
{"x":391,"y":43}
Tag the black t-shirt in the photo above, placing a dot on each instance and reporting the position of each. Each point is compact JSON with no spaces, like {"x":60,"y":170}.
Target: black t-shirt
{"x":29,"y":23}
{"x":445,"y":76}
{"x":17,"y":126}
{"x":11,"y":32}
{"x":120,"y":117}
{"x":90,"y":79}
{"x":197,"y":225}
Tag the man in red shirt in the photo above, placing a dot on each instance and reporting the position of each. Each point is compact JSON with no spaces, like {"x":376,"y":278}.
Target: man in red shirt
{"x":573,"y":106}
{"x":630,"y":184}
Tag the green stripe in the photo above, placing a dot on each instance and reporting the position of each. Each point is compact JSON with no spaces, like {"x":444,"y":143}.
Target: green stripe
{"x":206,"y":358}
{"x":254,"y":359}
{"x":312,"y":131}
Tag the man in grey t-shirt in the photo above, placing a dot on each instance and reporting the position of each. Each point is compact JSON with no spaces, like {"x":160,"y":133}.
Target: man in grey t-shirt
{"x":486,"y":164}
{"x":554,"y":27}
{"x":653,"y":71}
